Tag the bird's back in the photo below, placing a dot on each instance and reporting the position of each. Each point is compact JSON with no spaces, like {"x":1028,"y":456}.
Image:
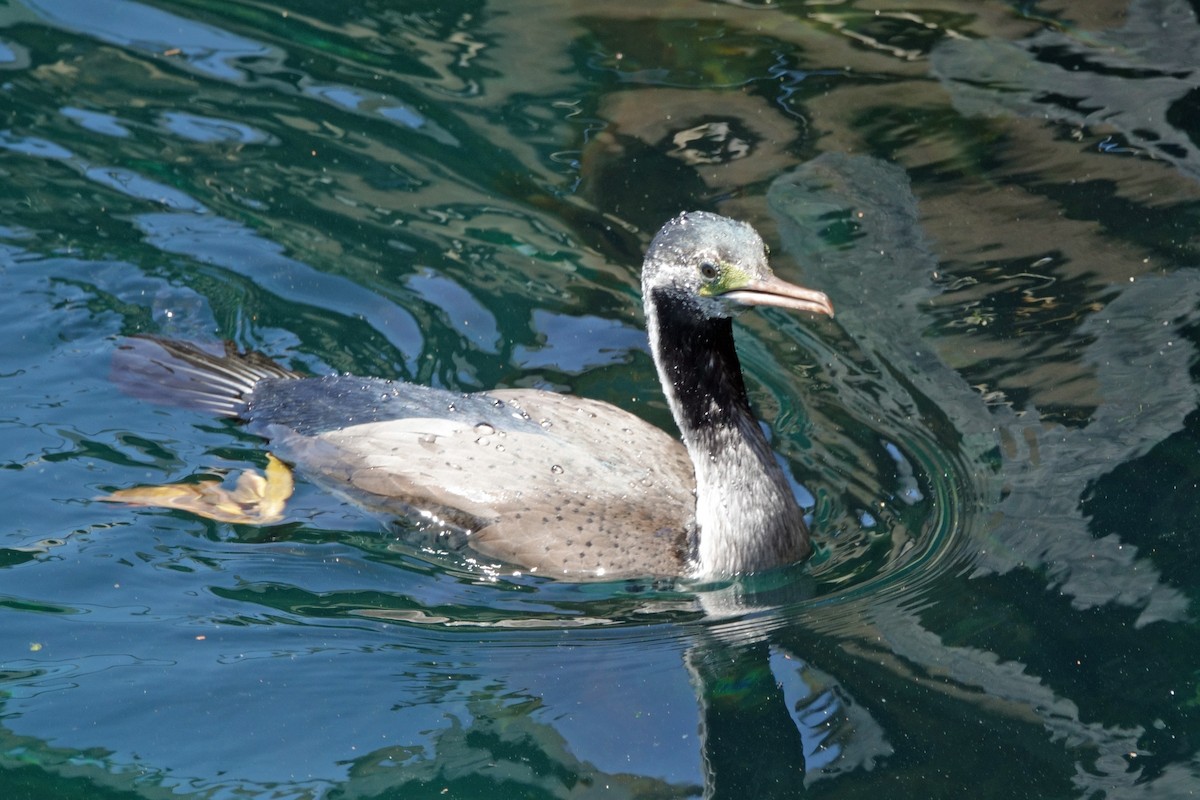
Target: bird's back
{"x":558,"y":484}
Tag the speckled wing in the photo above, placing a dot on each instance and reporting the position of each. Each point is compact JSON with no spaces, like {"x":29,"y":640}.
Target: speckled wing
{"x":559,"y":485}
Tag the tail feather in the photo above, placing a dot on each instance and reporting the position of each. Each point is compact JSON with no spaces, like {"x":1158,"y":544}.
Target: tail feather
{"x":187,"y":375}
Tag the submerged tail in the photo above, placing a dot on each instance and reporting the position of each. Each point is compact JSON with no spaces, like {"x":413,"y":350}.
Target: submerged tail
{"x":186,"y":375}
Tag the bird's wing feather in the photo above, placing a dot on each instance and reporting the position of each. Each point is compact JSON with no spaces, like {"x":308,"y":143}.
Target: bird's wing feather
{"x":588,"y":490}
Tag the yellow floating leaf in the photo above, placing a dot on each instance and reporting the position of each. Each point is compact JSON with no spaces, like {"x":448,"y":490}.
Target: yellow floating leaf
{"x":254,"y":499}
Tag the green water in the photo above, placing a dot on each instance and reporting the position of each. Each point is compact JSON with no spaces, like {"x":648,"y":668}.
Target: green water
{"x":996,"y":437}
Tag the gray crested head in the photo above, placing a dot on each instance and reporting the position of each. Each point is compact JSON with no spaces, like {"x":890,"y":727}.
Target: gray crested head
{"x":698,"y":257}
{"x":715,"y":266}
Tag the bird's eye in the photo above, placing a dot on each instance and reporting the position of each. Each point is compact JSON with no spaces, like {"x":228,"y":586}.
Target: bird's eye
{"x":709,"y":270}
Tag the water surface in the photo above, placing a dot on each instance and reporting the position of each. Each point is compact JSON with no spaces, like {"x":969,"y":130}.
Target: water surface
{"x":996,"y":438}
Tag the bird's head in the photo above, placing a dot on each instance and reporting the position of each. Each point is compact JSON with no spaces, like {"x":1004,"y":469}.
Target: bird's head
{"x":719,"y":266}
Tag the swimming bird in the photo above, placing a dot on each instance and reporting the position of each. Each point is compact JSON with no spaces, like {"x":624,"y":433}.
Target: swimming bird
{"x":558,"y":485}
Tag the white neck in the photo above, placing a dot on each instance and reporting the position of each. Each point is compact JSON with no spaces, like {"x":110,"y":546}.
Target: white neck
{"x":747,"y":519}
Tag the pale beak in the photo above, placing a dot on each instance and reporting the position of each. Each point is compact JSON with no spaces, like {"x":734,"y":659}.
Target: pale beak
{"x":776,"y":292}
